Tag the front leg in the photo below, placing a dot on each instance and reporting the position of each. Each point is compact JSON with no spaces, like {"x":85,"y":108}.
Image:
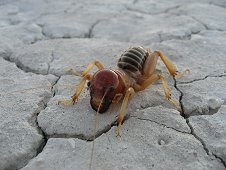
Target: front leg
{"x":77,"y":92}
{"x":129,"y":92}
{"x":85,"y":76}
{"x":98,"y":64}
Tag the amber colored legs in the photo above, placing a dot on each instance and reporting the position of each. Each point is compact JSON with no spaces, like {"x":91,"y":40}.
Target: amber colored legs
{"x":129,"y":92}
{"x":147,"y":82}
{"x":150,"y":77}
{"x":151,"y":62}
{"x":81,"y":85}
{"x":117,"y":98}
{"x":170,"y":66}
{"x":151,"y":80}
{"x":168,"y":94}
{"x":149,"y":68}
{"x":77,"y":91}
{"x":98,"y":64}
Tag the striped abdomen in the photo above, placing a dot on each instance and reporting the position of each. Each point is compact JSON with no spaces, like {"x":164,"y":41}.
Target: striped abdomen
{"x":133,"y":59}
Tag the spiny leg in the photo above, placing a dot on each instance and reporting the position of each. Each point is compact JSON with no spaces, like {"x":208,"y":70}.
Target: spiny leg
{"x":168,"y":94}
{"x":117,"y":98}
{"x":129,"y":92}
{"x":150,"y":63}
{"x":77,"y":92}
{"x":151,"y":80}
{"x":85,"y":76}
{"x":147,"y":82}
{"x":75,"y":72}
{"x":170,"y":66}
{"x":98,"y":64}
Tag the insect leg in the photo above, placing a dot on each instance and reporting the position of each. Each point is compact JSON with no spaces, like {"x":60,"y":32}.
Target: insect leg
{"x":150,"y":64}
{"x":98,"y":64}
{"x":74,"y":72}
{"x":117,"y":98}
{"x":151,"y":80}
{"x":77,"y":92}
{"x":129,"y":92}
{"x":168,"y":94}
{"x":85,"y":76}
{"x":170,"y":66}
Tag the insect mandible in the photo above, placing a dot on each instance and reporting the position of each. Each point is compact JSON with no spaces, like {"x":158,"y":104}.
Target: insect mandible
{"x":135,"y":72}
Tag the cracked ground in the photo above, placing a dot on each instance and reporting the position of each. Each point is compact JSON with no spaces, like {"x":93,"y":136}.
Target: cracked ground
{"x":40,"y":41}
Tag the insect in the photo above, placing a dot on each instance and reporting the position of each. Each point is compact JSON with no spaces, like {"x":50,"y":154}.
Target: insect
{"x":135,"y":72}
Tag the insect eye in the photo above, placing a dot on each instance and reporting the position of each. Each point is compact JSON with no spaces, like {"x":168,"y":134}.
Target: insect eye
{"x":88,"y":83}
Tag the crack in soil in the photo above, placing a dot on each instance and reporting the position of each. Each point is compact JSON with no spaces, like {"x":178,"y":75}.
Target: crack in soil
{"x":42,"y":30}
{"x":221,"y":6}
{"x":222,"y":161}
{"x":204,"y":145}
{"x":82,"y":136}
{"x":200,"y":79}
{"x":90,"y":33}
{"x":151,"y":13}
{"x":203,"y":24}
{"x":160,"y":124}
{"x":40,"y":131}
{"x":192,"y":129}
{"x":26,"y":69}
{"x":180,"y":99}
{"x":42,"y":105}
{"x":172,"y":8}
{"x":51,"y":60}
{"x":210,"y":111}
{"x":21,"y":66}
{"x":8,"y":58}
{"x":197,"y":137}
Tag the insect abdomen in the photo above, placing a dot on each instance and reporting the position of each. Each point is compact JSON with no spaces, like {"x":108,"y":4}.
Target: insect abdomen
{"x":133,"y":59}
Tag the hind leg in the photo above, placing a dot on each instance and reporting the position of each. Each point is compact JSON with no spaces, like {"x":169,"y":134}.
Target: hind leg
{"x":150,"y":77}
{"x":151,"y":61}
{"x":170,"y":66}
{"x":153,"y":78}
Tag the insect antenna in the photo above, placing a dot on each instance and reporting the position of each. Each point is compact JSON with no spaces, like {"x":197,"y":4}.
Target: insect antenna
{"x":95,"y":126}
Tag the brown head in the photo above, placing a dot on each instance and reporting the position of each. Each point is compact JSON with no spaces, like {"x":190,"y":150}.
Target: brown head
{"x":103,"y":85}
